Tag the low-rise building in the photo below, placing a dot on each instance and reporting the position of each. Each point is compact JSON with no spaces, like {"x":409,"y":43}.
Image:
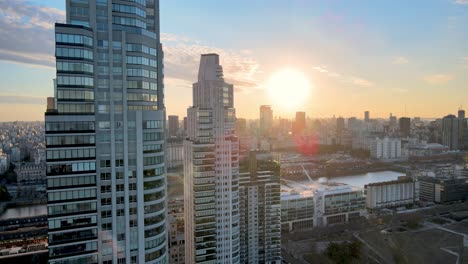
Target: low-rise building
{"x":30,"y":172}
{"x":443,"y":190}
{"x":297,"y":210}
{"x":337,"y":204}
{"x":317,"y":205}
{"x":401,"y":192}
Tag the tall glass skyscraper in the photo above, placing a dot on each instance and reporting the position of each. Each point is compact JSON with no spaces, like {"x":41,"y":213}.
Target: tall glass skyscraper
{"x":211,"y":170}
{"x":106,"y":178}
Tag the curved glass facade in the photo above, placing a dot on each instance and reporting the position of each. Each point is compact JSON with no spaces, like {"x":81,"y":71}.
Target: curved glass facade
{"x":105,"y":136}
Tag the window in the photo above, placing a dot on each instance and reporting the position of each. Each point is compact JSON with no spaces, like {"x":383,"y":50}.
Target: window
{"x":105,"y":176}
{"x":127,"y":21}
{"x":70,"y":140}
{"x":106,"y":214}
{"x":71,"y":208}
{"x":71,"y":168}
{"x":71,"y":181}
{"x":152,"y":136}
{"x":141,"y":48}
{"x":116,"y":45}
{"x":75,"y":67}
{"x":152,"y":124}
{"x":142,"y":97}
{"x":70,"y":154}
{"x":73,"y":39}
{"x":74,"y":53}
{"x":69,"y":126}
{"x":106,"y":189}
{"x":129,"y":9}
{"x":141,"y":61}
{"x":79,"y":11}
{"x":75,"y":81}
{"x":104,"y":163}
{"x":74,"y":95}
{"x":104,"y":125}
{"x":134,"y":72}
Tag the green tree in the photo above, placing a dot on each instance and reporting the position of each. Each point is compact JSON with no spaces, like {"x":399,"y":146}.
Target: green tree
{"x":4,"y":195}
{"x":344,"y":253}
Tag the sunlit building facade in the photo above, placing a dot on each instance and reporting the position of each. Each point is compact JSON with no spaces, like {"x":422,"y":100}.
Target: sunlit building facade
{"x":106,"y":178}
{"x":211,"y":170}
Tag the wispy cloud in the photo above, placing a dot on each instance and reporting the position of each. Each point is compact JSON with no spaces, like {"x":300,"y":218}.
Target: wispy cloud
{"x":26,"y":32}
{"x":400,"y":60}
{"x":461,"y":2}
{"x":23,"y":25}
{"x":343,"y":78}
{"x":182,"y":57}
{"x":438,"y":78}
{"x":362,"y":82}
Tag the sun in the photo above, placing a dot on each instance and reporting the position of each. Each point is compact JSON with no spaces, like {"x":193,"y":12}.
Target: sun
{"x":288,"y":88}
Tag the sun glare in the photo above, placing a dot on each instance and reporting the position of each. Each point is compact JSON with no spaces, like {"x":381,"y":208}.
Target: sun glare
{"x":288,"y":88}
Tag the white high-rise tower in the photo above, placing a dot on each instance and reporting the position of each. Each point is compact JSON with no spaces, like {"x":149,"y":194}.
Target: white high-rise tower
{"x":211,"y":170}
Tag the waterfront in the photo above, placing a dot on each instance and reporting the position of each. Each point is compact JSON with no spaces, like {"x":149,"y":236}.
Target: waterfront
{"x":359,"y":180}
{"x":24,"y":211}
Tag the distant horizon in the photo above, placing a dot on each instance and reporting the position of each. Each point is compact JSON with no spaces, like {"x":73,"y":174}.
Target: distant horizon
{"x":274,"y":117}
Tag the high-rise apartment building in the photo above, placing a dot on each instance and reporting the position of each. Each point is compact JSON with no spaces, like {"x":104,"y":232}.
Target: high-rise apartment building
{"x":173,"y":124}
{"x":266,"y":120}
{"x":260,"y":215}
{"x":106,"y":180}
{"x":299,"y":123}
{"x":392,"y":120}
{"x":450,"y":132}
{"x":405,"y":127}
{"x":462,"y":129}
{"x":386,"y":148}
{"x":366,"y":116}
{"x":211,"y":170}
{"x":340,"y":125}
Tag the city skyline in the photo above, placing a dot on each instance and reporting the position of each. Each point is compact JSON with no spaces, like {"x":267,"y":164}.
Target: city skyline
{"x":355,"y":55}
{"x":232,"y":132}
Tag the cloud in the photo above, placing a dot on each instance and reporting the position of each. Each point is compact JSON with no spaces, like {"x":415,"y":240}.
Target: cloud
{"x":181,"y":61}
{"x":400,"y":60}
{"x":322,"y":69}
{"x":461,"y":2}
{"x":26,"y":32}
{"x":361,"y":82}
{"x":343,"y":78}
{"x":23,"y":25}
{"x":436,"y":79}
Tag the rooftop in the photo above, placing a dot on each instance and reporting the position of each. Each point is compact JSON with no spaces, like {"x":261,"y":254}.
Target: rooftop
{"x":292,"y":190}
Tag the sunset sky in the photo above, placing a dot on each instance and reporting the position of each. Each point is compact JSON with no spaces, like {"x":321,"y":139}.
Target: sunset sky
{"x":383,"y":56}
